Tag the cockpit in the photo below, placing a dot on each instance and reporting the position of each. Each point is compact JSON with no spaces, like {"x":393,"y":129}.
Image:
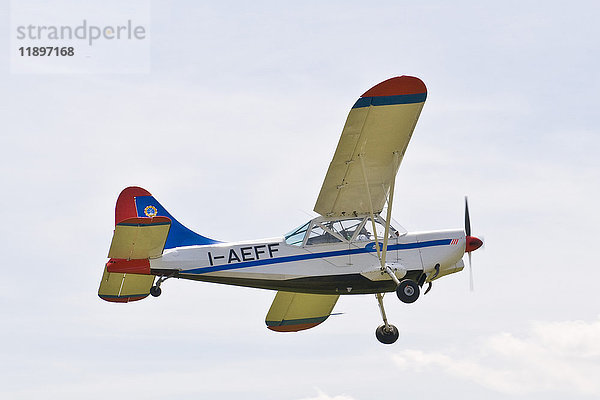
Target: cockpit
{"x":323,"y":230}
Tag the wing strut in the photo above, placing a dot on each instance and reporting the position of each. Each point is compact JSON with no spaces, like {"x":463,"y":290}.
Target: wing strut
{"x":389,"y":212}
{"x":381,"y":254}
{"x":364,"y":171}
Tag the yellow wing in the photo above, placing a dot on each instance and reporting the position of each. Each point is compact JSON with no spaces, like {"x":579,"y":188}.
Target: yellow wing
{"x":291,"y":312}
{"x":373,"y":142}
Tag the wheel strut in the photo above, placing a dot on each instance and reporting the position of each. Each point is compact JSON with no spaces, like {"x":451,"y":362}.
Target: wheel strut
{"x":161,"y":280}
{"x":391,"y":274}
{"x":386,"y":333}
{"x":382,"y":310}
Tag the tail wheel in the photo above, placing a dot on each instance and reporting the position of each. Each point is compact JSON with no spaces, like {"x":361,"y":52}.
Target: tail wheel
{"x":387,"y":335}
{"x":155,"y":291}
{"x":408,"y":291}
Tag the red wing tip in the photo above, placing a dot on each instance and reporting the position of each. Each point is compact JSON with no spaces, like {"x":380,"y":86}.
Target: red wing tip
{"x":122,"y":299}
{"x":292,"y":328}
{"x":396,"y":86}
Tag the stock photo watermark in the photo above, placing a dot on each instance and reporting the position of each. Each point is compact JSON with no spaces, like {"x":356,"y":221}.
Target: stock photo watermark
{"x":58,"y":40}
{"x":86,"y":32}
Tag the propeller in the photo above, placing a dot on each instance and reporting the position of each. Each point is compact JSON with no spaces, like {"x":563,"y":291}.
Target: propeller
{"x":472,"y":242}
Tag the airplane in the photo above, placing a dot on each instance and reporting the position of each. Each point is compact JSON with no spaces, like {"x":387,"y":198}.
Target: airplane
{"x":350,"y":248}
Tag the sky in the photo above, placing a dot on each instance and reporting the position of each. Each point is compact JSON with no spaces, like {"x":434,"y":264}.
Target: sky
{"x":229,"y":113}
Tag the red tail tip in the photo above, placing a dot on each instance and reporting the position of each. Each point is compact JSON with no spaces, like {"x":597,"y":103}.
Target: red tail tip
{"x":125,"y":207}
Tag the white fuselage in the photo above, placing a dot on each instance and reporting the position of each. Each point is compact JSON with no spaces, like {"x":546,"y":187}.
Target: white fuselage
{"x":349,"y":267}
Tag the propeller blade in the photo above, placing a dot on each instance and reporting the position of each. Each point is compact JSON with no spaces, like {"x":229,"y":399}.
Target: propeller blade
{"x":472,"y":243}
{"x":467,"y":219}
{"x":470,"y":273}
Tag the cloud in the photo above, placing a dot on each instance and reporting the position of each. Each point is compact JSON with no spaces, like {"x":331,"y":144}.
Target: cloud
{"x":323,"y":396}
{"x":553,"y":356}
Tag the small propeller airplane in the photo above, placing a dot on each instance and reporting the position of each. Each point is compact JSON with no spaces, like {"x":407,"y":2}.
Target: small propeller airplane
{"x":350,"y":248}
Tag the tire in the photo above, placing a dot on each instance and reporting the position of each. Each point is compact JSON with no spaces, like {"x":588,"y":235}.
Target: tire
{"x":387,"y":337}
{"x":408,"y":291}
{"x":155,"y":291}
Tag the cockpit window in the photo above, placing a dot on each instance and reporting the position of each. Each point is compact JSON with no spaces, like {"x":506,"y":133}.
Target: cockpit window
{"x":346,"y":227}
{"x":323,"y":231}
{"x":319,"y":235}
{"x":296,"y":237}
{"x":366,"y":232}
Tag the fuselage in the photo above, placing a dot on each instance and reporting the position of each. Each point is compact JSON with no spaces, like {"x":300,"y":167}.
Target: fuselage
{"x":343,"y":267}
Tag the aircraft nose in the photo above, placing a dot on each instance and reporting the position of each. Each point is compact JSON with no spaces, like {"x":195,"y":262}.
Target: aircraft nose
{"x":473,"y":243}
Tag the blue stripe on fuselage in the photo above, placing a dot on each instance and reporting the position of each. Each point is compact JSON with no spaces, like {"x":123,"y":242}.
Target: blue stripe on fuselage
{"x":369,"y":248}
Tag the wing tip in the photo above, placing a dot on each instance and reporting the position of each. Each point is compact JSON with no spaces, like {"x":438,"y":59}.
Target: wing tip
{"x":122,"y":299}
{"x":295,"y":325}
{"x":292,"y":328}
{"x":399,"y":85}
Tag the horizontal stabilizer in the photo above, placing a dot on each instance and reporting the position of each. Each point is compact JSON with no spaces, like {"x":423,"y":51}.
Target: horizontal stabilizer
{"x":122,"y":288}
{"x":292,"y":312}
{"x":139,"y":238}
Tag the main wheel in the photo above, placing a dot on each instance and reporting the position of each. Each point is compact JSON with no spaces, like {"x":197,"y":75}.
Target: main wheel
{"x":155,"y":291}
{"x":408,"y":291}
{"x":388,"y":336}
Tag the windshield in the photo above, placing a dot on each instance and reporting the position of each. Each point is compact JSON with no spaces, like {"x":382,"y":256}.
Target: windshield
{"x":296,"y":237}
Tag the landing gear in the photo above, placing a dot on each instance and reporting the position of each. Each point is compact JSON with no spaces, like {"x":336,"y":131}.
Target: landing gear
{"x":386,"y":333}
{"x":387,"y":336}
{"x":408,"y":291}
{"x":155,"y":290}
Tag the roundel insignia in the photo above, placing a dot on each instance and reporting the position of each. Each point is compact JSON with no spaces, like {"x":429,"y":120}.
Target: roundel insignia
{"x":150,"y":211}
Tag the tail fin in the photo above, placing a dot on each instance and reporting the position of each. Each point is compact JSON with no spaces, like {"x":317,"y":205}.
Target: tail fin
{"x":143,"y":229}
{"x":135,"y":202}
